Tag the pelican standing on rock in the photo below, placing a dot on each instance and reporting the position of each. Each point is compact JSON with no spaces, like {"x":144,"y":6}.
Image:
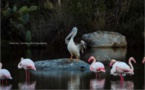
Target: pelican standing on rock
{"x":74,"y":49}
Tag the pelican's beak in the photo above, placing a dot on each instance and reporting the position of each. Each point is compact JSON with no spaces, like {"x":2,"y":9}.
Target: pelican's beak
{"x":70,"y":34}
{"x":73,"y":32}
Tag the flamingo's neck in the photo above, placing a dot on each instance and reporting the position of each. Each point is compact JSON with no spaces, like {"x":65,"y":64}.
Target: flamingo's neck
{"x":1,"y":65}
{"x":19,"y":66}
{"x":94,"y":60}
{"x":131,"y":66}
{"x":112,"y":62}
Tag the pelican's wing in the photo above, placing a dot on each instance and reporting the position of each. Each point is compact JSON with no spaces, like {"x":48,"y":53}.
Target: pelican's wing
{"x":82,"y":46}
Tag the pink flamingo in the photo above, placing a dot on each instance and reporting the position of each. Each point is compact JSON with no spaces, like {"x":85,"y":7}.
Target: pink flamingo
{"x":121,"y":68}
{"x":143,"y":61}
{"x":26,"y":64}
{"x":4,"y":74}
{"x":96,"y":66}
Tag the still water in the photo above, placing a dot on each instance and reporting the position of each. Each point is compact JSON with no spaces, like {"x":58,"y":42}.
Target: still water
{"x":71,"y":80}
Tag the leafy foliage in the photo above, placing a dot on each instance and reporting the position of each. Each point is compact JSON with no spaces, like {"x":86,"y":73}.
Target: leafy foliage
{"x":53,"y":19}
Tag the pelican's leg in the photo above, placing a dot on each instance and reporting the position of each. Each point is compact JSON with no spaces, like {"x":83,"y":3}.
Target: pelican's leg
{"x":71,"y":56}
{"x":77,"y":58}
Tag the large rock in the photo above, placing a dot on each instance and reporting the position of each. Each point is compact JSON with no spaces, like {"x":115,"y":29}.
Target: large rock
{"x":105,"y":39}
{"x":61,"y":64}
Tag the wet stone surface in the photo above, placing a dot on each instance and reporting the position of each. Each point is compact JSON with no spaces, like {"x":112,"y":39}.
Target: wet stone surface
{"x":62,"y":64}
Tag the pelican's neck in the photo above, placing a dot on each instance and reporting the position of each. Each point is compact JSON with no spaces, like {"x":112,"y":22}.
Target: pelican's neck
{"x":72,"y":39}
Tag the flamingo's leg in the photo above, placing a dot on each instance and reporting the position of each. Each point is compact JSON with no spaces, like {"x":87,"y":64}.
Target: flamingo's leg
{"x":2,"y":82}
{"x":26,"y":75}
{"x":6,"y":82}
{"x":121,"y":80}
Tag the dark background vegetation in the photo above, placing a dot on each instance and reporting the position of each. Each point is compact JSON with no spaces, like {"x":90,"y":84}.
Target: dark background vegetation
{"x":51,"y":20}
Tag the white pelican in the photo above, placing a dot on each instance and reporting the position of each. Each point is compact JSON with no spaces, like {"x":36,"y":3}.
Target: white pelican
{"x":74,"y":49}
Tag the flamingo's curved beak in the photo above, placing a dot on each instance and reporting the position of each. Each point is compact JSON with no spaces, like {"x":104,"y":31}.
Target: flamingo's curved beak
{"x":34,"y":68}
{"x":10,"y":78}
{"x":112,"y":61}
{"x":91,"y":58}
{"x":133,"y":59}
{"x":143,"y":61}
{"x":102,"y":70}
{"x":110,"y":64}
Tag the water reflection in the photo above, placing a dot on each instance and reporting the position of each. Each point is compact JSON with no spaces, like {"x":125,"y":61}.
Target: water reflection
{"x":98,"y":82}
{"x":26,"y":86}
{"x":127,"y":85}
{"x":69,"y":79}
{"x":5,"y":87}
{"x":61,"y":78}
{"x":104,"y":54}
{"x":74,"y":82}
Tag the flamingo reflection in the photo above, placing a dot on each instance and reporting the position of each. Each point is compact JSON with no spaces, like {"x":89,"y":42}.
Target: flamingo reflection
{"x":27,"y":86}
{"x":98,"y":82}
{"x":6,"y":87}
{"x":127,"y":85}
